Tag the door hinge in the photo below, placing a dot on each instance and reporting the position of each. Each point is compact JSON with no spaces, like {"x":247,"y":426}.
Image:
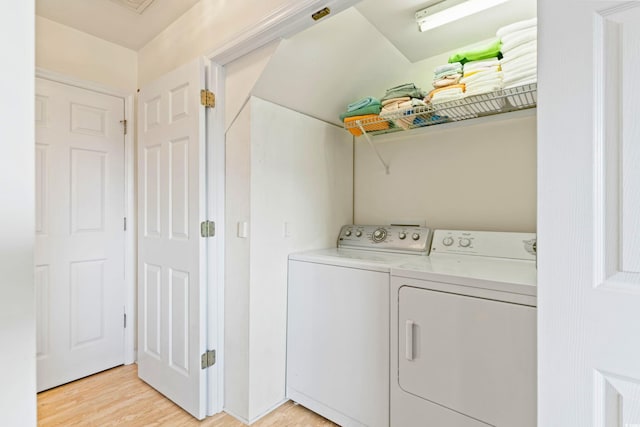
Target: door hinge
{"x":207,"y":98}
{"x":124,"y":125}
{"x":208,"y":359}
{"x":125,"y":223}
{"x":125,"y":320}
{"x":207,"y":229}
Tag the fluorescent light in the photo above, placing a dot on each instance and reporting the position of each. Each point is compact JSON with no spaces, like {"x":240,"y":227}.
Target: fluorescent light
{"x":428,"y":21}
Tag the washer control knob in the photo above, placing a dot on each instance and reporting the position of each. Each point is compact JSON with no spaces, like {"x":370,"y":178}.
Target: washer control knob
{"x":358,"y":233}
{"x":465,"y":242}
{"x":347,"y":233}
{"x":402,"y":235}
{"x":415,"y":236}
{"x":447,"y":241}
{"x":379,"y":235}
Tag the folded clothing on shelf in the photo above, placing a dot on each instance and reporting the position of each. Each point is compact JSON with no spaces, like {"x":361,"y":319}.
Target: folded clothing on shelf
{"x":515,"y":79}
{"x":529,"y":48}
{"x":517,"y":26}
{"x":482,"y":77}
{"x":478,"y":52}
{"x":402,"y":106}
{"x":480,"y":65}
{"x":393,"y":103}
{"x":375,"y":123}
{"x":446,"y":93}
{"x":520,"y":49}
{"x":447,"y":70}
{"x":406,"y":89}
{"x":513,"y":40}
{"x":373,"y":108}
{"x":362,"y":103}
{"x":447,"y":81}
{"x":524,"y":62}
{"x":522,"y":82}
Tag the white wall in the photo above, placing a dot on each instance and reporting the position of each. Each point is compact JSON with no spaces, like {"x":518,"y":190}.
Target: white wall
{"x":237,"y":264}
{"x":240,"y":77}
{"x":17,"y":313}
{"x":289,"y":168}
{"x":464,"y":176}
{"x":71,"y":52}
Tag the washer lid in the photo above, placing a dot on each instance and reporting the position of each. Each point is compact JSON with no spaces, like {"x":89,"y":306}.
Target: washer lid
{"x":354,"y":258}
{"x":506,"y":275}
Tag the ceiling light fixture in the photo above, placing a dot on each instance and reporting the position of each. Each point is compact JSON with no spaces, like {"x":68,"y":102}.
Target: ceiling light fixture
{"x":429,"y":19}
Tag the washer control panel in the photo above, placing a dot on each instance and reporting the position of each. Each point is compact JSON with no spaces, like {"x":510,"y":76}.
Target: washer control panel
{"x":387,"y":238}
{"x":485,"y":243}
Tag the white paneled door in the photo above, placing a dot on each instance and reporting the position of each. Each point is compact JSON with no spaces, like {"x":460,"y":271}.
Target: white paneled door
{"x":589,"y":213}
{"x":79,"y":251}
{"x":171,"y":267}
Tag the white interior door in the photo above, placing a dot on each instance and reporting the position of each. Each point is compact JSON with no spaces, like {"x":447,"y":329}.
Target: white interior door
{"x":589,"y":213}
{"x":79,"y":251}
{"x":171,"y":270}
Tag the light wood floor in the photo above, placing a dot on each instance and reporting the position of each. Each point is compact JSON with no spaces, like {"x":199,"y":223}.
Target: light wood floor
{"x":117,"y":397}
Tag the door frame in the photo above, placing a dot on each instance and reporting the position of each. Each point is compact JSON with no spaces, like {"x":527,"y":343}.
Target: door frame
{"x":129,"y":198}
{"x":285,"y":21}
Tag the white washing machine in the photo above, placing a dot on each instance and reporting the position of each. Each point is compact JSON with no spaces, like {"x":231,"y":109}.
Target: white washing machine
{"x":463,"y":333}
{"x":338,"y":322}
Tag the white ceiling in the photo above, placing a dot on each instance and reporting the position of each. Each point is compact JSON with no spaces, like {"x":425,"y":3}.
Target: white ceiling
{"x":395,"y":19}
{"x":118,"y":21}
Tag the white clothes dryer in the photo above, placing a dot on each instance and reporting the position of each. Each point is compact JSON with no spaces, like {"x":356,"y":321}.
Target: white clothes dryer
{"x":338,"y":322}
{"x":463,"y":333}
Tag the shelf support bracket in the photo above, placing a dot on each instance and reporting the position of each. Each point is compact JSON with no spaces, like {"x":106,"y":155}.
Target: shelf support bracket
{"x":373,"y":146}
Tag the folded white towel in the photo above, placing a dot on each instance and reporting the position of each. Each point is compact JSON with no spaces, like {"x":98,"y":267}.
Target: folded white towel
{"x":447,"y":95}
{"x":522,"y":75}
{"x":484,"y":63}
{"x":484,"y":88}
{"x":522,"y":82}
{"x":513,"y":40}
{"x":524,"y":49}
{"x":482,"y":77}
{"x":516,"y":66}
{"x":517,"y":26}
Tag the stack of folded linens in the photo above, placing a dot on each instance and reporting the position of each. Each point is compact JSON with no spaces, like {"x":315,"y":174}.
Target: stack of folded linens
{"x":402,"y":103}
{"x":443,"y":101}
{"x":366,"y":111}
{"x":483,"y":81}
{"x":482,"y":76}
{"x":447,"y":75}
{"x":519,"y":48}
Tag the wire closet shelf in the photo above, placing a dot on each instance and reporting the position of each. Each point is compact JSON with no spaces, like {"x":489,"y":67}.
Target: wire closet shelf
{"x":498,"y":102}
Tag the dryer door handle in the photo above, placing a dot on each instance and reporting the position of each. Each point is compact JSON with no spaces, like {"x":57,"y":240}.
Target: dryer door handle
{"x":408,"y":348}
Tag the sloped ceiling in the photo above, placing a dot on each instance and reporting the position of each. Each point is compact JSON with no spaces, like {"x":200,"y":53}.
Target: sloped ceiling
{"x":128,"y":23}
{"x":340,"y":59}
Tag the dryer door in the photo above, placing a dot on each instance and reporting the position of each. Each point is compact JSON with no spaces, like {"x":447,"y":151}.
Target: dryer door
{"x":471,"y":355}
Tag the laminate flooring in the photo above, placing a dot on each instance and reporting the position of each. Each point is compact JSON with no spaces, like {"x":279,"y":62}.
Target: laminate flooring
{"x":117,"y":397}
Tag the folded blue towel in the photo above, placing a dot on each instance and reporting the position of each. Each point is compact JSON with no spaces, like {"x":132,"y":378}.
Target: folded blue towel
{"x":456,"y":67}
{"x":364,"y":102}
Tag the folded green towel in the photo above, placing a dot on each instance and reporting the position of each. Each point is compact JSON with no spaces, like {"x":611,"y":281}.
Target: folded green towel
{"x":406,"y":89}
{"x":490,"y":50}
{"x":364,"y":102}
{"x":371,"y":109}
